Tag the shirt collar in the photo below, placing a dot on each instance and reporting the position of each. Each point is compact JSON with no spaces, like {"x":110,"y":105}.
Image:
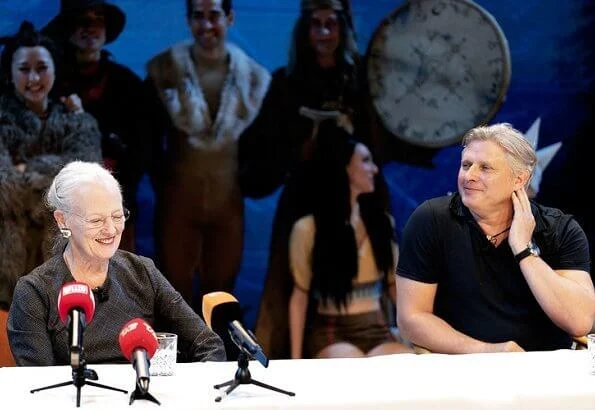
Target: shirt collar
{"x":458,"y":209}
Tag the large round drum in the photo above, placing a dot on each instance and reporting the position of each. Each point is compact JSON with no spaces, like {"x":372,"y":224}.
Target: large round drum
{"x":437,"y":68}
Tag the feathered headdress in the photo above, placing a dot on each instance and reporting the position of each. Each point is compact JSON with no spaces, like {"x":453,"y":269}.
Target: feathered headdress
{"x":338,"y":5}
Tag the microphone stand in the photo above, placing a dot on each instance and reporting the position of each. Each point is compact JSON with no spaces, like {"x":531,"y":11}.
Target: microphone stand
{"x":80,"y":374}
{"x":141,"y":391}
{"x":141,"y":394}
{"x":242,"y":376}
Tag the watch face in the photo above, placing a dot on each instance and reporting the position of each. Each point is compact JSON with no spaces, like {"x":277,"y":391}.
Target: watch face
{"x":534,"y":249}
{"x":437,"y":68}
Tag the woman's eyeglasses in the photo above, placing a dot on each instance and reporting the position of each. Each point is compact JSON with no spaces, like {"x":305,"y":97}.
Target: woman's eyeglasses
{"x":118,"y":218}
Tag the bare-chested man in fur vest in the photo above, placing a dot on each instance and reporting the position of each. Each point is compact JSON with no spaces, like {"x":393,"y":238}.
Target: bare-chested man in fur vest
{"x":207,"y":93}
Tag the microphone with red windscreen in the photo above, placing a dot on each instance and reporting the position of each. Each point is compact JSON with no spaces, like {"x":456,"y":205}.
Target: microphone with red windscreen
{"x":138,"y":343}
{"x":76,"y":307}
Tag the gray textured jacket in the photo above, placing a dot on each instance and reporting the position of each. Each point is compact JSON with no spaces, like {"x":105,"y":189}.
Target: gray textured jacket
{"x":134,"y":289}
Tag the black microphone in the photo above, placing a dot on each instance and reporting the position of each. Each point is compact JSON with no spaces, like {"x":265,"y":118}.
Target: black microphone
{"x":101,"y":293}
{"x":222,"y":311}
{"x":76,"y":307}
{"x":246,"y":340}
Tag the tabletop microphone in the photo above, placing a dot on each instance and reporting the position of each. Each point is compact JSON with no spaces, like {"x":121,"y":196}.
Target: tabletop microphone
{"x":76,"y":307}
{"x":138,"y":344}
{"x":222,"y":312}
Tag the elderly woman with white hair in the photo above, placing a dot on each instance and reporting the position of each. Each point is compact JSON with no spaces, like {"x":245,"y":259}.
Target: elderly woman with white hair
{"x":87,"y":205}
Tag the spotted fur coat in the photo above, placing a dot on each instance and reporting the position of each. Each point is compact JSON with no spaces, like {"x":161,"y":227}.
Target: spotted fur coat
{"x":26,"y":226}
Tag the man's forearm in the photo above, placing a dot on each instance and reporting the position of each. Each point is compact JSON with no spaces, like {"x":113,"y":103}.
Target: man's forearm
{"x":568,"y":302}
{"x":429,"y":331}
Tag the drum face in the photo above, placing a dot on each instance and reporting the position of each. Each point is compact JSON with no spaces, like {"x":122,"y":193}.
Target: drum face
{"x":437,"y":68}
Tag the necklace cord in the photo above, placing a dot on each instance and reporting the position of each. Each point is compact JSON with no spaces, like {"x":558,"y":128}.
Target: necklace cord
{"x":493,"y":238}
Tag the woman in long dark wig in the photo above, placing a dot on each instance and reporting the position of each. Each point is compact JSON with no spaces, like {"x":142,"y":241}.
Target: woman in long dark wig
{"x":322,"y":74}
{"x":322,"y":71}
{"x":342,"y":256}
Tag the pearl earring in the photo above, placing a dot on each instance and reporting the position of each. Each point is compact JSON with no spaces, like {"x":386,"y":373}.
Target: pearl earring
{"x":66,"y":233}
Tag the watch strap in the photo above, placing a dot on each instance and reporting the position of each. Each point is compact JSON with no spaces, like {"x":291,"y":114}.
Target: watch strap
{"x":523,"y":254}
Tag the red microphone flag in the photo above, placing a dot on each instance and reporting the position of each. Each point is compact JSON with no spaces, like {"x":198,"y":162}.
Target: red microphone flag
{"x":76,"y":295}
{"x":137,"y":334}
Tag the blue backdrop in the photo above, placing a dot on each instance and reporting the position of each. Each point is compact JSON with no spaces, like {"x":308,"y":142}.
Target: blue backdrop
{"x":551,"y":44}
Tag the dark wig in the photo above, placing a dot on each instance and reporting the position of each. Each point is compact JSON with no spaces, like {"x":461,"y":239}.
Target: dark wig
{"x":225,"y":5}
{"x":27,"y":36}
{"x":302,"y":57}
{"x":335,"y":253}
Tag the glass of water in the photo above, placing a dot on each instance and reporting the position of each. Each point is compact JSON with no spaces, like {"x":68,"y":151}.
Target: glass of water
{"x":591,"y":348}
{"x":164,"y":359}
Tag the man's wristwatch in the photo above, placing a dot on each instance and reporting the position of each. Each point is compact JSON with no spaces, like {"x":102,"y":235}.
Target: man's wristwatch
{"x":531,"y":250}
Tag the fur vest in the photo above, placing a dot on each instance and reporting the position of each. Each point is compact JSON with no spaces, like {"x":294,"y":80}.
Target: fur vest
{"x":44,"y":149}
{"x":176,"y":80}
{"x":201,"y":153}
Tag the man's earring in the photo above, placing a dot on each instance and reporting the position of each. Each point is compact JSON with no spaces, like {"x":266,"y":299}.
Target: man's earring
{"x":66,"y":233}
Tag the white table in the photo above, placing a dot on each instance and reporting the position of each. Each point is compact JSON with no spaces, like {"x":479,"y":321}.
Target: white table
{"x":539,"y":380}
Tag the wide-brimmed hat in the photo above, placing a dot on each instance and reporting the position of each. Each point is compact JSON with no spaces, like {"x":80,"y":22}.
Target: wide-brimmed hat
{"x":61,"y":26}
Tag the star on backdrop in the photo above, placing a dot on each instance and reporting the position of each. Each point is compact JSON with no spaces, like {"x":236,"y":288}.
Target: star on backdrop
{"x":544,"y":155}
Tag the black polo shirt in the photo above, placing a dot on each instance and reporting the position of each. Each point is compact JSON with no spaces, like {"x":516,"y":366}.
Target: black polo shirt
{"x":481,"y":289}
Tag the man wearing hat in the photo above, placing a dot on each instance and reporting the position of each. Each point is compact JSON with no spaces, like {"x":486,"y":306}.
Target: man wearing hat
{"x":207,"y":92}
{"x":110,"y":92}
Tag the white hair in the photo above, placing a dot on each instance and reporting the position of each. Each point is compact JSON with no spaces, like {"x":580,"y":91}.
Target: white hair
{"x":519,"y":152}
{"x":73,"y":175}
